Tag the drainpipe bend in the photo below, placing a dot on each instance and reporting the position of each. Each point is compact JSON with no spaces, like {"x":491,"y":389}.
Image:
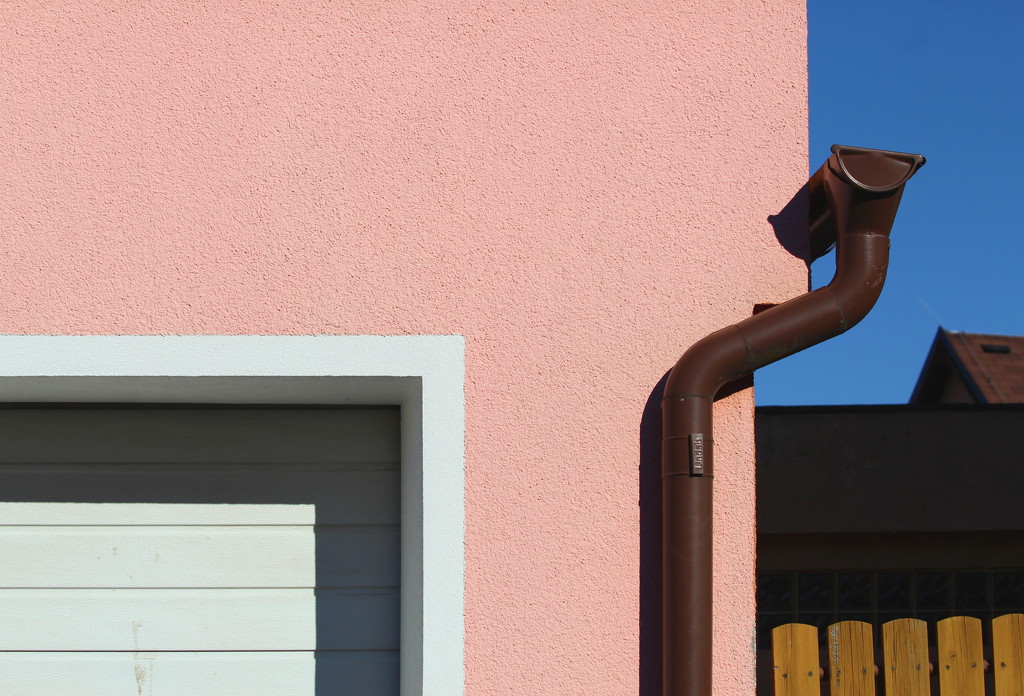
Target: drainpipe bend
{"x":853,"y":198}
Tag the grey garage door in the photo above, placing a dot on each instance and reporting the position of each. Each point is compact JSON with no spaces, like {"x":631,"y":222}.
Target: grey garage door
{"x":199,"y":550}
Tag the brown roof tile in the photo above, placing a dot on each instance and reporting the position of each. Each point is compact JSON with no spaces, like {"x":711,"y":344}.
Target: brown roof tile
{"x":973,"y":369}
{"x":995,"y":364}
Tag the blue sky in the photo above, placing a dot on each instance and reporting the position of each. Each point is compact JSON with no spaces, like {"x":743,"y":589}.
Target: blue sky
{"x":944,"y":79}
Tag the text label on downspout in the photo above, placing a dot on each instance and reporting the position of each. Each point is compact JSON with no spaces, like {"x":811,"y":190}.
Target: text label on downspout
{"x":696,"y":454}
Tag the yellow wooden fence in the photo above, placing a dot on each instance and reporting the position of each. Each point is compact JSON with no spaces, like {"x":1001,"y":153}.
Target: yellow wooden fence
{"x":849,"y":667}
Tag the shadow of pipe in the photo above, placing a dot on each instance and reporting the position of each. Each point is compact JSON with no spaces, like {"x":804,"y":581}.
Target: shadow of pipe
{"x":790,"y":226}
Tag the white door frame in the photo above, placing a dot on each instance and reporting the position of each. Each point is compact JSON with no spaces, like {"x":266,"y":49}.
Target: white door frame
{"x":425,"y":375}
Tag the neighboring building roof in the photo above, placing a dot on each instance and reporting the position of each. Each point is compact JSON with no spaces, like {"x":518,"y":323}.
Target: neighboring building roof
{"x":965,"y":368}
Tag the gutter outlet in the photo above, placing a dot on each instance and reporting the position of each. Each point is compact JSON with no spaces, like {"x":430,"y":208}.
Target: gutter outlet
{"x":853,"y":201}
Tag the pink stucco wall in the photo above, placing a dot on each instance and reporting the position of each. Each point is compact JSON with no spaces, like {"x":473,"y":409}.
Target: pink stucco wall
{"x":581,"y":189}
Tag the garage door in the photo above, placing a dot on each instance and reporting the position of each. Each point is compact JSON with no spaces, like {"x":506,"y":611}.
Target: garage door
{"x":199,"y":550}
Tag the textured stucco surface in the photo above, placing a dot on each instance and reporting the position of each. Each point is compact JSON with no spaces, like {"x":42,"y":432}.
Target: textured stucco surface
{"x":581,"y":190}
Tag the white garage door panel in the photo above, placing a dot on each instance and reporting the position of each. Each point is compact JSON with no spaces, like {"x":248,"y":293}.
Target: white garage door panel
{"x":157,"y":556}
{"x":53,"y":556}
{"x":358,"y":556}
{"x":368,"y":673}
{"x":343,"y":495}
{"x":131,"y":435}
{"x":157,"y":620}
{"x":357,"y":619}
{"x":49,"y":514}
{"x":158,"y":674}
{"x":129,"y":620}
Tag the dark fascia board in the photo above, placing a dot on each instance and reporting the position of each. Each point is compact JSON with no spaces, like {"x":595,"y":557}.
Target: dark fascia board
{"x":886,"y":408}
{"x":891,"y":468}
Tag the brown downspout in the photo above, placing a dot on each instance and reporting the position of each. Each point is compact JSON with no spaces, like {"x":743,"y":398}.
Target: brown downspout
{"x":853,"y":202}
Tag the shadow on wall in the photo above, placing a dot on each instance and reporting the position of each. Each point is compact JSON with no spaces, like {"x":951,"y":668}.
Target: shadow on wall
{"x":790,"y":225}
{"x":650,"y":543}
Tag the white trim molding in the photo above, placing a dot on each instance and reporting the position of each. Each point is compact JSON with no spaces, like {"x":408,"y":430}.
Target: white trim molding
{"x":425,"y":375}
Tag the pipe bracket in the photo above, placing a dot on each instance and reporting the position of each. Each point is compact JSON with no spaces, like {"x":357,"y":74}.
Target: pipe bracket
{"x":687,"y":455}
